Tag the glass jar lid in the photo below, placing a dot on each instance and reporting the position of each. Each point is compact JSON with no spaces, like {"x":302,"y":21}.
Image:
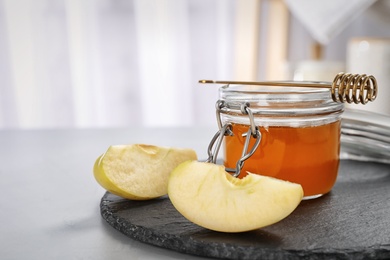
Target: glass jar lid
{"x":279,"y":100}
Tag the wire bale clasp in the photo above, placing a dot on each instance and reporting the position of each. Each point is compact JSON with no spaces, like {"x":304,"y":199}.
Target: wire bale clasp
{"x":225,"y":130}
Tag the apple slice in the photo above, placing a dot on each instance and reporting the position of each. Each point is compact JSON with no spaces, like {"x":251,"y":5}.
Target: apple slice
{"x":207,"y":195}
{"x":139,"y":171}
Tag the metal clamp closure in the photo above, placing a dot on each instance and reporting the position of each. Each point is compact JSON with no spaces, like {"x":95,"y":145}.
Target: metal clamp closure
{"x":226,"y":129}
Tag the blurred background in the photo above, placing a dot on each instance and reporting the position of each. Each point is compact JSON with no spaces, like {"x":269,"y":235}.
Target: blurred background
{"x":124,"y":63}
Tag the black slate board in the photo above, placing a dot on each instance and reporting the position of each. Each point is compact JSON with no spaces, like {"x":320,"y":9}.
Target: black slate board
{"x":351,"y":222}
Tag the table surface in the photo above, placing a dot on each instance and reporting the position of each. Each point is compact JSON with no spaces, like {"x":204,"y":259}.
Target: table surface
{"x":50,"y":199}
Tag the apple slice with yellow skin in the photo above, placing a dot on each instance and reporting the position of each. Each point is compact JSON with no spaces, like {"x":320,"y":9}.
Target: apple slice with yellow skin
{"x":138,"y":171}
{"x":208,"y":196}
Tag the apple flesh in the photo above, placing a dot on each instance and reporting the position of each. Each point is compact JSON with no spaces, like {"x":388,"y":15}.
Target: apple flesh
{"x":138,"y":171}
{"x":208,"y":196}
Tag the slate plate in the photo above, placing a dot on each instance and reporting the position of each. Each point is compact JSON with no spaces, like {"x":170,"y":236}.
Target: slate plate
{"x":351,"y":222}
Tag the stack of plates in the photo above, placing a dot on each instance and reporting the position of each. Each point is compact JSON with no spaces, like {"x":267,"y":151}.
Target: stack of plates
{"x":365,"y":136}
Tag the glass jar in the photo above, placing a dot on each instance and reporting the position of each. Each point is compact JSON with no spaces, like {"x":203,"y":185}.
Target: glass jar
{"x":300,"y":133}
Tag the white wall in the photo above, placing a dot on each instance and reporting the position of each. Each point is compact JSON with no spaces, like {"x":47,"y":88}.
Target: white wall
{"x":105,"y":63}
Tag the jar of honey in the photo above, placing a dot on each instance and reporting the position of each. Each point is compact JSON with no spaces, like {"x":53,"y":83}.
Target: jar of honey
{"x":299,"y":129}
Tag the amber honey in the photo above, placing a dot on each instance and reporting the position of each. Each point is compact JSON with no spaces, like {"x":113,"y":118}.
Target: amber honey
{"x":300,"y":133}
{"x":305,"y":155}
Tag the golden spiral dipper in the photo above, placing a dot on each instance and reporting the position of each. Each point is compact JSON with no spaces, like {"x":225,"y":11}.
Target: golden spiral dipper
{"x":346,"y":87}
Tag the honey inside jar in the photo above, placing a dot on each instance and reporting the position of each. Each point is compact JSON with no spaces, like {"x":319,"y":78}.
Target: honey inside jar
{"x":300,"y":133}
{"x":305,"y":155}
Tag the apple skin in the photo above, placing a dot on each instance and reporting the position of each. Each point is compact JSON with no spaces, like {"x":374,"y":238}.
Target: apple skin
{"x":138,"y":171}
{"x":208,"y":196}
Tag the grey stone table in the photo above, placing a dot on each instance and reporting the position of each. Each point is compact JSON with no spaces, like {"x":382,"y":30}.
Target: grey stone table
{"x":351,"y":222}
{"x":49,"y":203}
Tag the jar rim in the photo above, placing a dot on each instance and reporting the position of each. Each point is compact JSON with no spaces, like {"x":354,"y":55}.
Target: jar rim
{"x":274,"y":99}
